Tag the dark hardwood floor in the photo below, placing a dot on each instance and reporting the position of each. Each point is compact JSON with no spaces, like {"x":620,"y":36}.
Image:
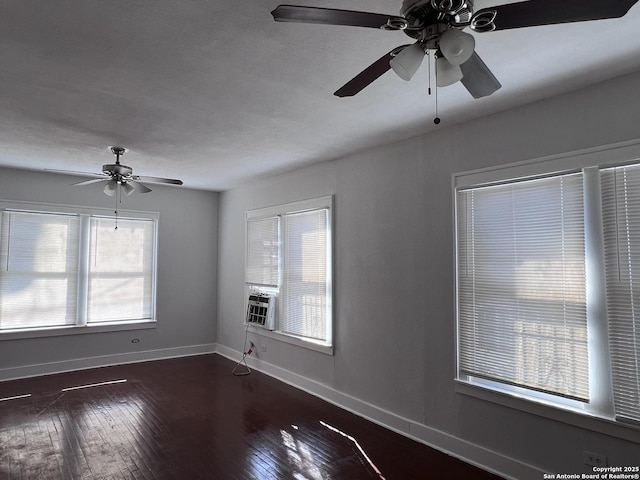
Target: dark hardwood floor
{"x":190,"y":418}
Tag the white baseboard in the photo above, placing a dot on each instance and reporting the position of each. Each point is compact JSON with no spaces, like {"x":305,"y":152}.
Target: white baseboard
{"x":464,"y":450}
{"x":14,"y":373}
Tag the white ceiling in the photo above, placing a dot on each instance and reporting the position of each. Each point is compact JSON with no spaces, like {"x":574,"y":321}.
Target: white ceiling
{"x":216,"y":93}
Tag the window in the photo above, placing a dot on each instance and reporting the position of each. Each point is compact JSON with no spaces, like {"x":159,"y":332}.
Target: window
{"x":289,"y":255}
{"x":548,"y":288}
{"x":38,"y":270}
{"x":522,"y":292}
{"x":120,"y":270}
{"x":61,"y":268}
{"x":621,"y":207}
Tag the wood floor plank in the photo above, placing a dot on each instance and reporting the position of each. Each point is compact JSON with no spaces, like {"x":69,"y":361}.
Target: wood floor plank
{"x":190,"y":418}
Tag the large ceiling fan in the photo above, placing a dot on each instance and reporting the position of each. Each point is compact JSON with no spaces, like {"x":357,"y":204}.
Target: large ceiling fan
{"x":120,"y":177}
{"x":437,"y":26}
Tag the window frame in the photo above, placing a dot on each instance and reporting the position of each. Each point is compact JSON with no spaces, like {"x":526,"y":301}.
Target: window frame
{"x":302,"y":206}
{"x":492,"y":305}
{"x":85,"y":214}
{"x":600,"y":419}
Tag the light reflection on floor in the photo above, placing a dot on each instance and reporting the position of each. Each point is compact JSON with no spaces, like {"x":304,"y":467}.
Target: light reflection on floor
{"x":91,"y":385}
{"x":300,"y":457}
{"x":304,"y":460}
{"x":355,"y":442}
{"x":64,"y":436}
{"x":15,"y":397}
{"x":262,"y":464}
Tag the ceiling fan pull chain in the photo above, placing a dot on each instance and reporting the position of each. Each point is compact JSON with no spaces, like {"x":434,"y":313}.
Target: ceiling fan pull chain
{"x":436,"y":120}
{"x":116,"y":212}
{"x":429,"y":72}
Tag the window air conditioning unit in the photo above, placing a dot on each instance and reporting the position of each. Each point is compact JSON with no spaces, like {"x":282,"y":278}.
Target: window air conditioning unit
{"x":261,"y":310}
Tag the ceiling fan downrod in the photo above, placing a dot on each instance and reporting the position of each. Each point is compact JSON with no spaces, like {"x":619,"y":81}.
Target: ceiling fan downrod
{"x":117,"y":151}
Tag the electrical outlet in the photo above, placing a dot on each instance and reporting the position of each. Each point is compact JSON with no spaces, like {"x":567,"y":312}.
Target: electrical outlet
{"x":263,"y":348}
{"x":594,"y":459}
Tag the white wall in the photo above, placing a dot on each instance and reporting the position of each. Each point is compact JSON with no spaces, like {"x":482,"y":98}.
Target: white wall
{"x":394,"y":290}
{"x":186,"y":292}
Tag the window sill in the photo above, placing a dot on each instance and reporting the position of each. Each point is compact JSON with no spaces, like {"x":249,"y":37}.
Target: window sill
{"x":283,"y":337}
{"x":579,"y":419}
{"x":76,"y":330}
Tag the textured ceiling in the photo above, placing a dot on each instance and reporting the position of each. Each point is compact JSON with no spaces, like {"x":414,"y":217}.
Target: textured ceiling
{"x":216,"y":93}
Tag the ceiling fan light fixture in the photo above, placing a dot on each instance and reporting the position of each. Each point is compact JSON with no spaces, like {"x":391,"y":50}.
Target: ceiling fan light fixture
{"x":110,"y":188}
{"x":406,"y":63}
{"x":447,"y":73}
{"x":128,"y":189}
{"x":457,"y":46}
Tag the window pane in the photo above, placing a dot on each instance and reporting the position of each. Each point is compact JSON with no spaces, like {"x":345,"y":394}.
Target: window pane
{"x":621,"y":221}
{"x":262,"y":251}
{"x":120,"y":270}
{"x":521,"y":285}
{"x":304,"y":288}
{"x":38,"y":269}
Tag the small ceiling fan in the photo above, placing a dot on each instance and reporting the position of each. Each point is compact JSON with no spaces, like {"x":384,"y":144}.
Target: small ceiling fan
{"x":437,"y":25}
{"x":117,"y":175}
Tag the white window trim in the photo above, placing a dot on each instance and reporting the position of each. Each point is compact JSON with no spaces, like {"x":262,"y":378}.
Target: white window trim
{"x":616,"y":154}
{"x":292,"y":340}
{"x":540,"y":408}
{"x":608,"y":155}
{"x":292,"y":208}
{"x":17,"y":334}
{"x":83,"y":328}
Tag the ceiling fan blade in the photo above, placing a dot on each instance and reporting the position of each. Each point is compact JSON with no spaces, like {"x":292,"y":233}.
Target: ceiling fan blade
{"x":88,"y":182}
{"x":548,"y":12}
{"x":74,"y":172}
{"x":477,"y":78}
{"x":368,"y":75}
{"x":332,"y":16}
{"x":169,"y":181}
{"x":140,"y":187}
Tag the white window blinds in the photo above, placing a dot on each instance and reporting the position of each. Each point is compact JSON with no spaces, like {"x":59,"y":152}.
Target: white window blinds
{"x":304,"y":282}
{"x":121,"y":270}
{"x":39,"y":267}
{"x":262,"y":251}
{"x":63,"y":266}
{"x":521,"y":285}
{"x":621,"y":222}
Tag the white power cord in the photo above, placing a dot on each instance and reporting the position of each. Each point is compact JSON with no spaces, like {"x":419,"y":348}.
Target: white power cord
{"x":242,"y":364}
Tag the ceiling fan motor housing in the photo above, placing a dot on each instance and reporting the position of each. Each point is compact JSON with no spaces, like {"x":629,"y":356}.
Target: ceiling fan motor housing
{"x":115,"y":169}
{"x":426,"y":19}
